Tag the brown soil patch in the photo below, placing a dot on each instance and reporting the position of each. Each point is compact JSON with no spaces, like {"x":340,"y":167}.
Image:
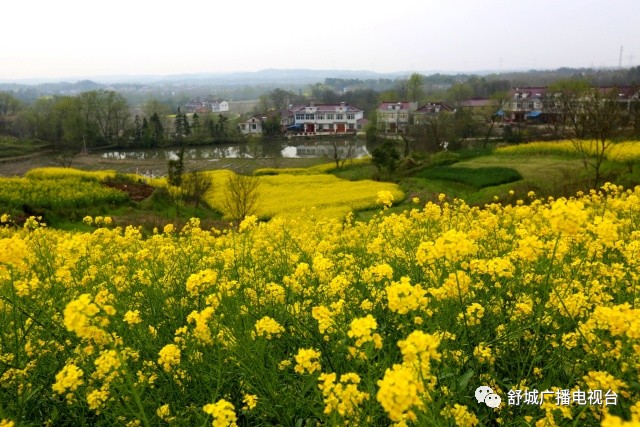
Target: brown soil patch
{"x":136,"y":191}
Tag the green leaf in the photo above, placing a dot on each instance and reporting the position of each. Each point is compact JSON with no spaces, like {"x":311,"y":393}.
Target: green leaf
{"x":464,"y":379}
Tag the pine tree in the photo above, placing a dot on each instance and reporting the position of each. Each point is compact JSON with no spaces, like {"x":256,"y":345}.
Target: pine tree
{"x":157,"y":130}
{"x":185,"y":125}
{"x":137,"y":130}
{"x":178,"y":125}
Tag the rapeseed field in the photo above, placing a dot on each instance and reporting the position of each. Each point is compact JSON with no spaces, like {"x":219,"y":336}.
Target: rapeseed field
{"x":445,"y":314}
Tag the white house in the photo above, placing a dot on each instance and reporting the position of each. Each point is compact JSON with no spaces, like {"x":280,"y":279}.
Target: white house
{"x":252,"y":126}
{"x":328,"y":118}
{"x":219,"y":107}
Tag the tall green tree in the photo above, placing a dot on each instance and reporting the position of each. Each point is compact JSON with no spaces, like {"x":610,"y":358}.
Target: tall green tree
{"x":415,"y":87}
{"x":9,"y":107}
{"x":110,"y":112}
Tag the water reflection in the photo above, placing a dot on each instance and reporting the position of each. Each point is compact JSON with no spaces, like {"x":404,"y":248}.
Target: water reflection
{"x":270,"y":149}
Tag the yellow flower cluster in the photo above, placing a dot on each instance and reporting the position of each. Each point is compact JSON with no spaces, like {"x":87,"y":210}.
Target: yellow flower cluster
{"x":267,"y":327}
{"x":473,"y":314}
{"x":461,"y":415}
{"x":223,"y":413}
{"x":401,"y":393}
{"x":403,"y":297}
{"x":307,"y":360}
{"x":250,"y":401}
{"x":453,"y":246}
{"x":361,"y":329}
{"x":169,"y":357}
{"x":68,"y":379}
{"x":343,"y":396}
{"x":199,"y":282}
{"x":81,"y":317}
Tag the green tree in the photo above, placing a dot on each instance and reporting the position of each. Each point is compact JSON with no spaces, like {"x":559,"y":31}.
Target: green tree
{"x":178,"y":126}
{"x":385,"y":157}
{"x":9,"y":107}
{"x":432,"y":133}
{"x":137,"y":130}
{"x":156,"y":129}
{"x":280,"y":99}
{"x":111,"y":114}
{"x":194,"y":186}
{"x":271,"y":126}
{"x":458,"y":93}
{"x":415,"y":87}
{"x":176,"y":169}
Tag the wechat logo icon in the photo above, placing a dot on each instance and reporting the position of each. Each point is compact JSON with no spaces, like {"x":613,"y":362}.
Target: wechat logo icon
{"x":486,"y":395}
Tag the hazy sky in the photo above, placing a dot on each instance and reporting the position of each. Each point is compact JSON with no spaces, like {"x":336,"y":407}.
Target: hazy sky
{"x":73,"y":38}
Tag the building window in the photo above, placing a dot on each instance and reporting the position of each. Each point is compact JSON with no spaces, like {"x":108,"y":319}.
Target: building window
{"x":351,"y":116}
{"x":299,"y":116}
{"x":339,"y":116}
{"x":351,"y":126}
{"x":253,"y":126}
{"x":320,"y":127}
{"x":331,"y":126}
{"x":308,"y":117}
{"x":319,"y":117}
{"x":329,"y":116}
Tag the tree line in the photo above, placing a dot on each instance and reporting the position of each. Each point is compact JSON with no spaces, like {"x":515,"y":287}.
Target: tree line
{"x":102,"y":118}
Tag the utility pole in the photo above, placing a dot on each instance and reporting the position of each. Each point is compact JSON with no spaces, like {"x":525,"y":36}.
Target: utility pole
{"x":620,"y":59}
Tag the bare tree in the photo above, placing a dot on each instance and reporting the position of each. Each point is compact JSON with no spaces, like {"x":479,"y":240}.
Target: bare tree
{"x":241,"y":196}
{"x":593,"y":119}
{"x":341,"y":152}
{"x":194,"y":186}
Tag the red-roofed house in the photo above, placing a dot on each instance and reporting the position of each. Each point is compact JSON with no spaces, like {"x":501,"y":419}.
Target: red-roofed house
{"x":394,"y":117}
{"x":328,"y":118}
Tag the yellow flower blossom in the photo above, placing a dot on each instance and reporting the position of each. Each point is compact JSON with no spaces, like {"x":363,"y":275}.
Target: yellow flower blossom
{"x":223,"y":413}
{"x":169,"y":356}
{"x":267,"y":327}
{"x":307,"y":360}
{"x":68,"y":379}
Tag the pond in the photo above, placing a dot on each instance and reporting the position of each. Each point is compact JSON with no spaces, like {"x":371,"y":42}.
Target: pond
{"x":270,"y":149}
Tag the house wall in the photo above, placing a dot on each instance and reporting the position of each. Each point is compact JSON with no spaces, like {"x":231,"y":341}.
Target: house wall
{"x":328,"y":118}
{"x":251,"y":127}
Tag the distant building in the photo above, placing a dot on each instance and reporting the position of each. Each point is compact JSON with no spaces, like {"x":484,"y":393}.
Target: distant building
{"x":422,"y":114}
{"x":327,"y":118}
{"x":394,"y":117}
{"x":203,"y":107}
{"x":252,"y":126}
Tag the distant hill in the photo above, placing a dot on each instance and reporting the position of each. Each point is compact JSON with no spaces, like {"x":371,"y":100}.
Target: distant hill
{"x":240,"y":77}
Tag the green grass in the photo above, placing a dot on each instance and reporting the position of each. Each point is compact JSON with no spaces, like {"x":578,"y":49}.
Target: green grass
{"x":14,"y":147}
{"x":479,"y":177}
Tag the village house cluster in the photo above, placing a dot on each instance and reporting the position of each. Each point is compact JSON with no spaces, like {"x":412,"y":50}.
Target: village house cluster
{"x":524,"y":104}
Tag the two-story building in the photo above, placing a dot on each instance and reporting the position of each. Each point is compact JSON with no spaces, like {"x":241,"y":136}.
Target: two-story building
{"x":327,"y":118}
{"x":394,"y":117}
{"x":526,"y":102}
